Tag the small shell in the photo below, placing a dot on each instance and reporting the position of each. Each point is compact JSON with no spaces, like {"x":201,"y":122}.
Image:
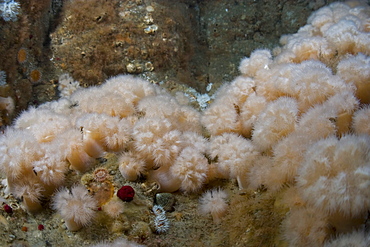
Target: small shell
{"x":149,"y":8}
{"x":148,"y":19}
{"x":148,"y":66}
{"x":151,"y":29}
{"x":131,"y":68}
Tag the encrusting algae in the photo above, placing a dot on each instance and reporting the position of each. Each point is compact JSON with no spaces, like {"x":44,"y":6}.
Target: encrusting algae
{"x":281,"y":157}
{"x":99,"y":185}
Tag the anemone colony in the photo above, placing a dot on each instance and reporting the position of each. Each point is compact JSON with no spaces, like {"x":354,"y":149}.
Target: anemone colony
{"x":297,"y":116}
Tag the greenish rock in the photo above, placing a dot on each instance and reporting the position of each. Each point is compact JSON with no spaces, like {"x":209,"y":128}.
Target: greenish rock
{"x":166,"y":200}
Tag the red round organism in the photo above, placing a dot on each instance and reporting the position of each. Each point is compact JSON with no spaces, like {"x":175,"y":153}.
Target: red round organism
{"x":40,"y":227}
{"x":8,"y":209}
{"x":126,"y":193}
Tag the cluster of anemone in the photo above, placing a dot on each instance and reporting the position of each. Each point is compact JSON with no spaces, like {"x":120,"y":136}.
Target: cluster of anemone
{"x":148,"y":129}
{"x":295,"y":121}
{"x":303,"y":110}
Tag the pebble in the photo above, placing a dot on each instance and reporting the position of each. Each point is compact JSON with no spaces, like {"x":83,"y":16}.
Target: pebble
{"x":150,"y":8}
